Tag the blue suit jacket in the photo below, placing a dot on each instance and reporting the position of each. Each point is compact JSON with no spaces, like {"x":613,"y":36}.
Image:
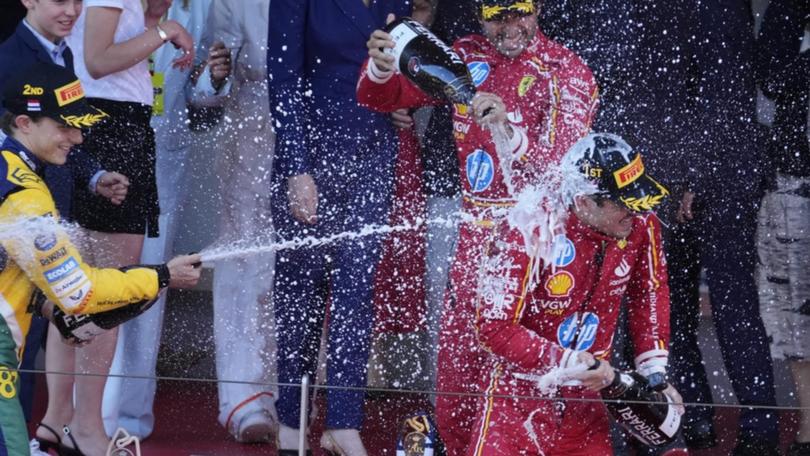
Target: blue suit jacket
{"x":20,"y":51}
{"x":315,"y":51}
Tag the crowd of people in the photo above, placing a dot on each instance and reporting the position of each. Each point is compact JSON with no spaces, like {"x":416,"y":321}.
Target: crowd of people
{"x":682,"y":129}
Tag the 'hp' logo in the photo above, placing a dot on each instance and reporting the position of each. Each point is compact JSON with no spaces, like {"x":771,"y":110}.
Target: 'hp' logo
{"x":581,"y":334}
{"x":479,"y":72}
{"x":480,"y":170}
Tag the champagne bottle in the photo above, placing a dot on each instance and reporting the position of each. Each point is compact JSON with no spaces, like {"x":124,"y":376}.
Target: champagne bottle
{"x":429,"y":63}
{"x":82,"y":328}
{"x":650,"y":416}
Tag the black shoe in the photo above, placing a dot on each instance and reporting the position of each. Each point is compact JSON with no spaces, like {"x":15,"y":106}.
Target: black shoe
{"x":755,"y":446}
{"x":699,"y":435}
{"x":65,"y":450}
{"x":799,"y":449}
{"x":46,"y":445}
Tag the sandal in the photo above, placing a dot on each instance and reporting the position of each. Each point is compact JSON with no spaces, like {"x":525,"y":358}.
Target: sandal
{"x":66,"y":450}
{"x":44,"y":444}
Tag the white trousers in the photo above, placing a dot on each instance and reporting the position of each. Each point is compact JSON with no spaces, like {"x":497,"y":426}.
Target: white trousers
{"x":244,"y":326}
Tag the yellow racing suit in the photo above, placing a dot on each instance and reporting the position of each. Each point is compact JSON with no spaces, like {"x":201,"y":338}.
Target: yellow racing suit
{"x":35,"y":253}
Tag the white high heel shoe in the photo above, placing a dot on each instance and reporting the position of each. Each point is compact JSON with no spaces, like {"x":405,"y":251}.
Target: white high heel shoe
{"x":287,"y":441}
{"x":343,"y":442}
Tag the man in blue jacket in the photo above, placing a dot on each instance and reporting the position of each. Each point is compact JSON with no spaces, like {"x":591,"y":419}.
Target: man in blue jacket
{"x":39,"y":37}
{"x":333,"y":172}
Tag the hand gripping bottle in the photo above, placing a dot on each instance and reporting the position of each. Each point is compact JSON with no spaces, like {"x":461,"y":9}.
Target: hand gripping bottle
{"x":80,"y":329}
{"x":429,"y":63}
{"x":650,"y":416}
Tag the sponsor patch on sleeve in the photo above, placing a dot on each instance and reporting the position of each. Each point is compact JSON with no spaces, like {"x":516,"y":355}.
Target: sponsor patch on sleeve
{"x":77,"y":298}
{"x":45,"y":242}
{"x":61,"y":271}
{"x":66,"y":285}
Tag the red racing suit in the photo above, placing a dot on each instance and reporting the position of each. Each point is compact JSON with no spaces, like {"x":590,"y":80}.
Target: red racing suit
{"x":530,"y":325}
{"x":550,"y":97}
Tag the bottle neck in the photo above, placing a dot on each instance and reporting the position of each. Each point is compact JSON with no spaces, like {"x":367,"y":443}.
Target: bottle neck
{"x":618,"y":387}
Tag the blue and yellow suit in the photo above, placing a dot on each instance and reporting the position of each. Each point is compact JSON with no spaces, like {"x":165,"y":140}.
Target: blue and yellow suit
{"x":36,"y":255}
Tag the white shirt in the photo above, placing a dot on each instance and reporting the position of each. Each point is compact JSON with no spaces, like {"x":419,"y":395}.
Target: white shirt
{"x":133,"y":84}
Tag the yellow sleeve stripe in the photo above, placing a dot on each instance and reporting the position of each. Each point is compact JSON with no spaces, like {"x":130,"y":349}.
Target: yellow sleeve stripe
{"x":524,"y":289}
{"x":653,"y":254}
{"x":490,"y":392}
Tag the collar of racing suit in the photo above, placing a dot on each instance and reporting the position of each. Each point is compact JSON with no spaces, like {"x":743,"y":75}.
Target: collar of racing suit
{"x":12,"y":145}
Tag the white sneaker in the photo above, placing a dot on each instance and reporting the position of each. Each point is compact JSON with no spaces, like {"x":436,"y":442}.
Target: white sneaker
{"x":255,"y":427}
{"x":343,"y":442}
{"x":288,"y":438}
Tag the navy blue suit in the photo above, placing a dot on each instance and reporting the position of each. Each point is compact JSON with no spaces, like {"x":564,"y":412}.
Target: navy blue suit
{"x":19,"y":51}
{"x":727,"y":179}
{"x":315,"y":51}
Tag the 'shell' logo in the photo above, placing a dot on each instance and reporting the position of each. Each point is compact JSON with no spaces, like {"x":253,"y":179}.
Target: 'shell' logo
{"x":560,"y":284}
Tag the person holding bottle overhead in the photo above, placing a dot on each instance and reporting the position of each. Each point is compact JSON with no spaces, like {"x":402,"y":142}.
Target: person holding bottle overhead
{"x":544,"y":99}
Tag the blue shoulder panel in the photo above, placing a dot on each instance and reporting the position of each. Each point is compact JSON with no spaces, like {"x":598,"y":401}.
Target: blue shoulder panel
{"x":6,"y":187}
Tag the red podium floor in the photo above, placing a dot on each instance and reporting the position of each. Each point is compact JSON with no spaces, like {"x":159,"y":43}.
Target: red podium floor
{"x":186,"y":424}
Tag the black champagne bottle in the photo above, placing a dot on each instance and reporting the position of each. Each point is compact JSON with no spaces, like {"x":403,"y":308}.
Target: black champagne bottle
{"x":429,"y":63}
{"x":650,"y":416}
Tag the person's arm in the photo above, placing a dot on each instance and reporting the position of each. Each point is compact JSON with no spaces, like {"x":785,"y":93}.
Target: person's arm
{"x":53,"y":263}
{"x":503,"y":290}
{"x":648,"y":303}
{"x":780,"y":64}
{"x":84,"y":167}
{"x":210,"y":83}
{"x":103,"y":56}
{"x":383,"y":89}
{"x":89,"y":175}
{"x":287,"y":84}
{"x":219,"y":45}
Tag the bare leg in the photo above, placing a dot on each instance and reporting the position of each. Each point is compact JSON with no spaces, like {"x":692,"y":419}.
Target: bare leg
{"x":801,"y":378}
{"x":59,"y":357}
{"x":87,"y":427}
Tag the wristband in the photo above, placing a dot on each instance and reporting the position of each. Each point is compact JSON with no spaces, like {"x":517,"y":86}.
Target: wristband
{"x":162,"y":33}
{"x":163,"y":274}
{"x":658,"y":381}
